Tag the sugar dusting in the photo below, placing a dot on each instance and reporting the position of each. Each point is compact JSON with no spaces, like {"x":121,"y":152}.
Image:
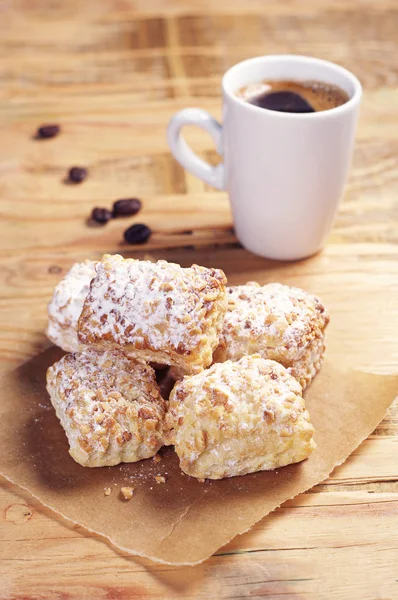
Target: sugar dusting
{"x":66,"y":305}
{"x":231,"y":401}
{"x":109,"y":405}
{"x":275,"y":320}
{"x":156,"y":306}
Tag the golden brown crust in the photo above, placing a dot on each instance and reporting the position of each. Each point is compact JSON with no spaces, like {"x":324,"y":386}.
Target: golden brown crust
{"x":155,"y":311}
{"x":237,"y":418}
{"x":109,"y":406}
{"x":278,"y":322}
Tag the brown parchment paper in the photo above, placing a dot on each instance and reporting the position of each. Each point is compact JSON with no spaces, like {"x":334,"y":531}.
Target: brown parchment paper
{"x":182,"y":521}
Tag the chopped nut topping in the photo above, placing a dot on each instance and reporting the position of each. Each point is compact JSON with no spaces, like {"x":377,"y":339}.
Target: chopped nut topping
{"x":107,"y":491}
{"x":281,"y":323}
{"x":151,"y":326}
{"x":254,"y":402}
{"x":157,"y":458}
{"x":109,"y":425}
{"x":160,"y":479}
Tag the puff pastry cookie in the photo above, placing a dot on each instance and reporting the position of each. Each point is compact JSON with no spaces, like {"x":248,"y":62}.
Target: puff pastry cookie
{"x":278,"y":322}
{"x":109,"y":406}
{"x":66,"y":305}
{"x":155,"y":311}
{"x":237,"y":418}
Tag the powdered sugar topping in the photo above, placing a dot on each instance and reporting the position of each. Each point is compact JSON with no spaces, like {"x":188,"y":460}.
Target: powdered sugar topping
{"x":154,"y":306}
{"x":275,"y":320}
{"x":66,"y":305}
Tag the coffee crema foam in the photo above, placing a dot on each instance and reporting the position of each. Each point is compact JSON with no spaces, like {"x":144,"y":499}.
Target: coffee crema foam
{"x":293,"y":96}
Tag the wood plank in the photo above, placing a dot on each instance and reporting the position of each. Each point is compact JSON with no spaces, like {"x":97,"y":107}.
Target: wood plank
{"x":374,"y":460}
{"x":288,"y":554}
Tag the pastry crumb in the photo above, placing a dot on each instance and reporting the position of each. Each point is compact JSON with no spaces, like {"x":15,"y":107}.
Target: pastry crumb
{"x":201,"y":479}
{"x":107,"y":491}
{"x":160,"y":479}
{"x":157,"y":458}
{"x":127,"y":492}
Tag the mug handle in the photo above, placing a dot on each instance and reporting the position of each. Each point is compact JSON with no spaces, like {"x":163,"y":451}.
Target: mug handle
{"x":183,"y":153}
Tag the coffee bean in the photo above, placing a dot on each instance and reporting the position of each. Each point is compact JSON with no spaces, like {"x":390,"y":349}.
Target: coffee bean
{"x":77,"y":174}
{"x":101,"y":215}
{"x":126,"y":207}
{"x":46,"y":132}
{"x":137,"y":234}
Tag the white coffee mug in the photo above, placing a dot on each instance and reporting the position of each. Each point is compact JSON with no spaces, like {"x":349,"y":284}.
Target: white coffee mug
{"x":284,"y":172}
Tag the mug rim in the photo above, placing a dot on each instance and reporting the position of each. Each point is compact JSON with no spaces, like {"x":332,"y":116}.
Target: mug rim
{"x":294,"y":58}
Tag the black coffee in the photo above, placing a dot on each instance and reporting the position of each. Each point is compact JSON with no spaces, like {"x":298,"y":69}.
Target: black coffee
{"x":294,"y":96}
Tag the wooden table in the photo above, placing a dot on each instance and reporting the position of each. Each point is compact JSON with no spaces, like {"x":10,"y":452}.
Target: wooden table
{"x":112,"y":72}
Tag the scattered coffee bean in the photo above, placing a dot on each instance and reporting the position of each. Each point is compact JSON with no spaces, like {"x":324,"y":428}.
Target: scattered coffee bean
{"x":46,"y":132}
{"x":101,"y":215}
{"x":126,"y":207}
{"x":77,"y":174}
{"x":137,"y":234}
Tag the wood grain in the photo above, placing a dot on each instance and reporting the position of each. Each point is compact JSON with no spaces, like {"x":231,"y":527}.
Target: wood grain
{"x":112,"y":73}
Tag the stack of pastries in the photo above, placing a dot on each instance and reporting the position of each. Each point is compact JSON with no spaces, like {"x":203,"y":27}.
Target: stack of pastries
{"x":241,"y":355}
